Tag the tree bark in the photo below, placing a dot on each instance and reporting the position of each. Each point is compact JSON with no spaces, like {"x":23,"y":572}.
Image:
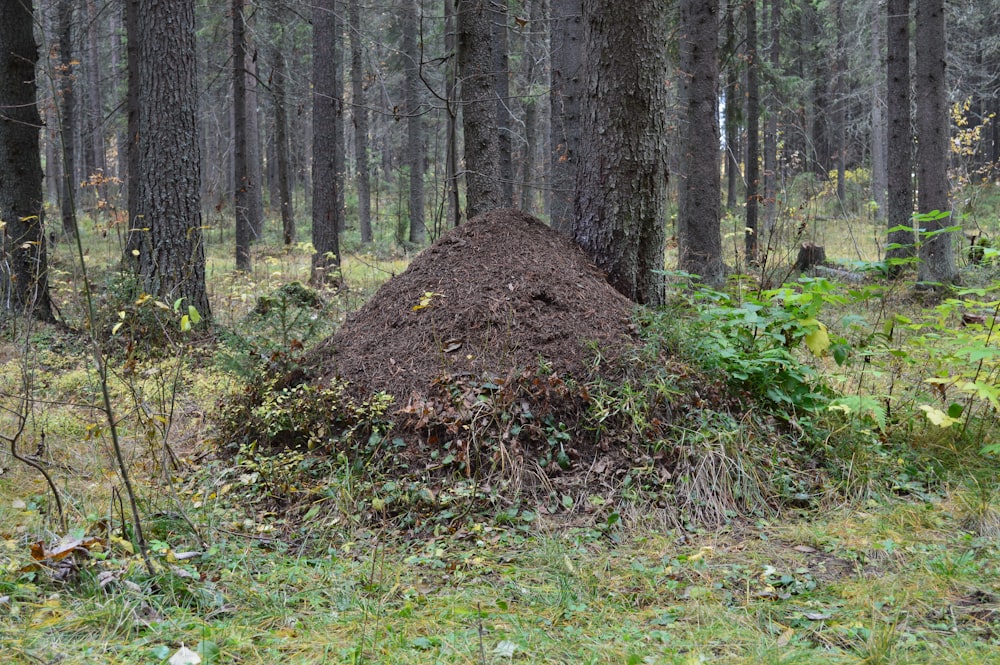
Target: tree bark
{"x":327,"y":184}
{"x":410,"y":18}
{"x":840,"y":109}
{"x":879,"y":157}
{"x":501,"y":84}
{"x":753,"y":136}
{"x":900,"y":139}
{"x":732,"y":110}
{"x":280,"y":99}
{"x":699,"y":233}
{"x":24,"y":267}
{"x":95,"y":99}
{"x":242,"y":182}
{"x":172,"y":257}
{"x":132,"y":132}
{"x":621,"y":193}
{"x":67,"y":126}
{"x":451,"y":142}
{"x":937,"y":257}
{"x":479,"y":118}
{"x":360,"y":116}
{"x":771,"y":120}
{"x":566,"y":36}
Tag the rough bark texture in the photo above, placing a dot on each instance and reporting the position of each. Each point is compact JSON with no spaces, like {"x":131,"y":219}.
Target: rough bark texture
{"x":479,"y":118}
{"x":937,"y":258}
{"x":699,"y":234}
{"x":131,"y":11}
{"x":360,"y":117}
{"x":327,"y":184}
{"x":501,"y":83}
{"x":451,"y":143}
{"x":279,"y":95}
{"x":880,"y":129}
{"x":242,"y":182}
{"x":68,"y":120}
{"x":771,"y":119}
{"x":566,"y":37}
{"x":95,"y":103}
{"x":621,"y":194}
{"x":900,"y":139}
{"x":172,"y":258}
{"x":414,"y":119}
{"x":840,"y":109}
{"x":753,"y":137}
{"x":24,"y":281}
{"x":732,"y":110}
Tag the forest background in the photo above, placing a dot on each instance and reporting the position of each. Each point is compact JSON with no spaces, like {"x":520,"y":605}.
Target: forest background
{"x":326,"y":143}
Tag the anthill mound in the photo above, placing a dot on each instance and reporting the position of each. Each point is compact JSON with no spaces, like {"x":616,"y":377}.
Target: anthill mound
{"x":499,"y":296}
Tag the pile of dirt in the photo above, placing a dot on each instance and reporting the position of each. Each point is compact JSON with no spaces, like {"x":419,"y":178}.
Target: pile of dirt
{"x":497,"y":297}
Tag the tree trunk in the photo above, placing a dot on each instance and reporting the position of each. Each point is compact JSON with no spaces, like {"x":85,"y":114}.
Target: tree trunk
{"x":24,"y":266}
{"x":771,"y":122}
{"x":621,"y":194}
{"x":732,"y":110}
{"x":698,"y":231}
{"x":242,"y":182}
{"x":327,"y":184}
{"x":753,"y":136}
{"x":900,"y":139}
{"x":410,"y":18}
{"x":937,"y":257}
{"x":67,"y":126}
{"x":879,"y":157}
{"x":255,"y":161}
{"x":566,"y":35}
{"x":280,"y":99}
{"x":840,"y":109}
{"x":95,"y":98}
{"x":479,"y":119}
{"x":132,"y":133}
{"x":172,"y":258}
{"x":360,"y":117}
{"x":451,"y":142}
{"x":501,"y":83}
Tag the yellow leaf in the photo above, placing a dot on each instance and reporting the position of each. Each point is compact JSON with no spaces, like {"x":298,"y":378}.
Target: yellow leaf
{"x":938,"y":417}
{"x":818,"y":340}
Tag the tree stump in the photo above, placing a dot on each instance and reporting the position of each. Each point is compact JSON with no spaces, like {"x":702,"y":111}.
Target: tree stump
{"x":810,"y":255}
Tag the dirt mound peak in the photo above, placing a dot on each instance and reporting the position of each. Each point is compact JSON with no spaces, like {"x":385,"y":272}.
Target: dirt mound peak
{"x":492,"y":298}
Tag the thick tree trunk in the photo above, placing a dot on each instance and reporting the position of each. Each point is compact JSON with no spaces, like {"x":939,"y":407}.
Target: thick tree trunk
{"x":410,"y":18}
{"x":699,"y":234}
{"x":242,"y":182}
{"x":95,"y":99}
{"x":132,"y":245}
{"x":566,"y":35}
{"x":621,"y":194}
{"x":24,"y":288}
{"x":67,"y":126}
{"x":255,"y":161}
{"x":771,"y":121}
{"x":479,"y":119}
{"x":360,"y":117}
{"x":751,"y":240}
{"x":172,"y":258}
{"x":879,"y":157}
{"x":280,"y":99}
{"x":451,"y":140}
{"x":327,"y":183}
{"x":840,"y":109}
{"x":937,"y":257}
{"x":732,"y":111}
{"x":900,"y":139}
{"x":501,"y":70}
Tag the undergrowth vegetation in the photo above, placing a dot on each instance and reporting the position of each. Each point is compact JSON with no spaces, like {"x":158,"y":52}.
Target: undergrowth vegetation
{"x":804,"y":470}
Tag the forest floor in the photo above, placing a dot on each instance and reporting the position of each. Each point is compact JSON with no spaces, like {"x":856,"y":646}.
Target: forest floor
{"x":882,"y":549}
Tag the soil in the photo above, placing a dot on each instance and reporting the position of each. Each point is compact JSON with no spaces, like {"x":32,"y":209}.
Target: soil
{"x":490,"y":300}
